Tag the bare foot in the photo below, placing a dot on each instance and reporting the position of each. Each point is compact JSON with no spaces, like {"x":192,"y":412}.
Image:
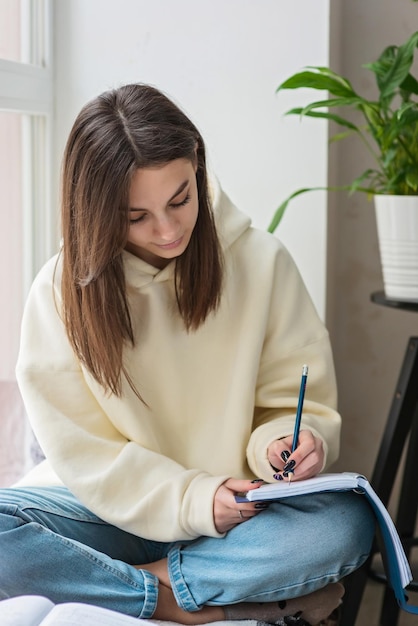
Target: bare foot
{"x":313,"y":607}
{"x":320,"y":604}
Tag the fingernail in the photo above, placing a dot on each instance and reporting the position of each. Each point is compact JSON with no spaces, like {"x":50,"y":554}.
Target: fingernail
{"x":285,"y":455}
{"x":257,"y":480}
{"x":287,"y":474}
{"x":278,"y":476}
{"x":261,"y":505}
{"x":289,"y":466}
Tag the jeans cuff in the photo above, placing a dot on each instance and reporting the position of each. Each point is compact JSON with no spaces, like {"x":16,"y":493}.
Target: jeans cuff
{"x":180,"y":589}
{"x":150,"y":594}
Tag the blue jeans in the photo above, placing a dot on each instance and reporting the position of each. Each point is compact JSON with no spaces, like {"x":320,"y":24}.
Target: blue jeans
{"x":51,"y":545}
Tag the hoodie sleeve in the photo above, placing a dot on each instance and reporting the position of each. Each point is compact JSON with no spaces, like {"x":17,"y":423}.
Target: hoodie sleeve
{"x":124,"y":483}
{"x":294,"y":336}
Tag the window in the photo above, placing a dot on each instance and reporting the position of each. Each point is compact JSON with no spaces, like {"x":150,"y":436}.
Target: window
{"x":10,"y":30}
{"x":26,"y":239}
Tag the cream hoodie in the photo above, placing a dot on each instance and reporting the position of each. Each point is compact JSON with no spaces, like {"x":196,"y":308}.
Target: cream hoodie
{"x":215,"y":398}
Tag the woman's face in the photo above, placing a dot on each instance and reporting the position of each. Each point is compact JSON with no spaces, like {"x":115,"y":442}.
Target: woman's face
{"x":163,"y":208}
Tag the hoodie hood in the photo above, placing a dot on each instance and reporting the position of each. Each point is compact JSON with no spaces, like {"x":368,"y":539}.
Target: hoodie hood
{"x":231,"y":223}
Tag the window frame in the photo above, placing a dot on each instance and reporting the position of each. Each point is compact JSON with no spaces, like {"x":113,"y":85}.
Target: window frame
{"x":27,"y":87}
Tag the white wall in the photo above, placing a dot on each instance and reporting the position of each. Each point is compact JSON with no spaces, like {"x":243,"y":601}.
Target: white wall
{"x":221,"y":60}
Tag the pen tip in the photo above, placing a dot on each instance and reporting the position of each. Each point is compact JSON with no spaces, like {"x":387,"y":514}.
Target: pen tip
{"x":304,"y":370}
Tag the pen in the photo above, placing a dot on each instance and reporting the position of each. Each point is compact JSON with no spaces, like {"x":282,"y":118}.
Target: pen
{"x":299,"y":411}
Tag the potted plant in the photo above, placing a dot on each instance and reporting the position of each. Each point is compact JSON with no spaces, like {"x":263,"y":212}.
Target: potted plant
{"x":389,"y":131}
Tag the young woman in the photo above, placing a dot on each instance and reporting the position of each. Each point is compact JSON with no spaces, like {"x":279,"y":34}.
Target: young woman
{"x":160,"y":365}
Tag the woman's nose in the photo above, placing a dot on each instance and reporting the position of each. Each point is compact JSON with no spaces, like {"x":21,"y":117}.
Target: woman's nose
{"x":166,"y":227}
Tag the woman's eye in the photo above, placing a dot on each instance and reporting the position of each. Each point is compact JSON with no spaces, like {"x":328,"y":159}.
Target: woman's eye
{"x":176,"y":205}
{"x":137,"y":219}
{"x":173,"y":205}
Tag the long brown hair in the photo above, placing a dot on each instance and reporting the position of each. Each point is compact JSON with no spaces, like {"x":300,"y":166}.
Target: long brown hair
{"x":121,"y":130}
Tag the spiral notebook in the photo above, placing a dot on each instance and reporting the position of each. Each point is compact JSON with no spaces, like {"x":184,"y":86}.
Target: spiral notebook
{"x":396,"y":563}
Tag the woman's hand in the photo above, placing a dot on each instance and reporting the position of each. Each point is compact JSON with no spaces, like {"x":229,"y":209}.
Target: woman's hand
{"x":226,"y":512}
{"x":308,"y":457}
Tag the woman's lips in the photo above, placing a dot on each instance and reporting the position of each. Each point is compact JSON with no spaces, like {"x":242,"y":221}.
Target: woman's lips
{"x":170,"y":246}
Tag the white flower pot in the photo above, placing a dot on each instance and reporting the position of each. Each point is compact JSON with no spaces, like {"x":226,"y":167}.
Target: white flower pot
{"x":397,"y":228}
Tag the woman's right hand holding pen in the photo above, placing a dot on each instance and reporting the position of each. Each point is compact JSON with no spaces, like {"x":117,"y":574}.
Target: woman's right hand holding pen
{"x":306,"y":461}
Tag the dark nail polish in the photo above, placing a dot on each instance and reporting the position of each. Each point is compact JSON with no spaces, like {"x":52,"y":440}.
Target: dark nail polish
{"x":278,"y":476}
{"x":289,"y":466}
{"x":282,"y":604}
{"x":261,"y":505}
{"x":257,"y":480}
{"x":285,"y":455}
{"x":285,"y":474}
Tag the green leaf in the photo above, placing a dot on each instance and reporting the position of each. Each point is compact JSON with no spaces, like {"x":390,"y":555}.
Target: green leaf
{"x":412,"y":179}
{"x":406,"y":106}
{"x":328,"y":116}
{"x":326,"y":71}
{"x":335,"y":102}
{"x":398,"y":69}
{"x":409,"y":85}
{"x":278,"y":215}
{"x":344,"y":135}
{"x":373,"y":114}
{"x":383,"y":65}
{"x":314,"y":80}
{"x":358,"y":182}
{"x":408,"y":111}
